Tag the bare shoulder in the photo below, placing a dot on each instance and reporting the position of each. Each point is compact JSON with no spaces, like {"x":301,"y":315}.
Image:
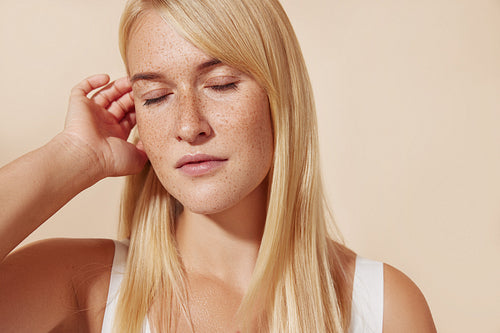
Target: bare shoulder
{"x":62,"y":255}
{"x":73,"y":246}
{"x":405,"y":307}
{"x":54,"y":282}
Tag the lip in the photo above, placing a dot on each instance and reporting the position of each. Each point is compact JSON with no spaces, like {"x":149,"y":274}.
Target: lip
{"x":199,"y":164}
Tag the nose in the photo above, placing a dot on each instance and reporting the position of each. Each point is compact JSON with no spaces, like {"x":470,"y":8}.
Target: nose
{"x":192,"y":126}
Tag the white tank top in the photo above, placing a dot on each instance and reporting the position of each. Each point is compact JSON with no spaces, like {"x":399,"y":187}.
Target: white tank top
{"x":367,"y":296}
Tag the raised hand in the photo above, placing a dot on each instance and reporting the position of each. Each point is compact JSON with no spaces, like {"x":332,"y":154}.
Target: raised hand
{"x":97,"y":128}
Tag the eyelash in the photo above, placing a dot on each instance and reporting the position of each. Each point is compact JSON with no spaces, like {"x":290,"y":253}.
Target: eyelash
{"x":222,"y":87}
{"x":155,"y":100}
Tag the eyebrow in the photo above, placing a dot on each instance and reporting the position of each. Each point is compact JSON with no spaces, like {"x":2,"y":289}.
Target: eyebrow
{"x":209,"y":63}
{"x":152,"y":76}
{"x":148,"y":76}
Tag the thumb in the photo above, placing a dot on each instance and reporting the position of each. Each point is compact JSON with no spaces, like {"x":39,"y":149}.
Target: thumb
{"x":130,"y":159}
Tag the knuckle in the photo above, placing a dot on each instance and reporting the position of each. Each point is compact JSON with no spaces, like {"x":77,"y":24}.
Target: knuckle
{"x":121,"y":104}
{"x":75,"y":90}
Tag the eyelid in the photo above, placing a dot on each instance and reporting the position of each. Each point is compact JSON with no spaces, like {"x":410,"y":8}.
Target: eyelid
{"x":155,"y":96}
{"x":225,"y":87}
{"x":150,"y":94}
{"x":156,"y":100}
{"x":221,"y":80}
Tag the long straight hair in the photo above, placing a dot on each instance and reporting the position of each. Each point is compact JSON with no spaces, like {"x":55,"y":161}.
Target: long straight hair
{"x":299,"y":283}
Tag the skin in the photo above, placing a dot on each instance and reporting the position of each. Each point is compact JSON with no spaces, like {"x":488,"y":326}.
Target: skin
{"x":61,"y":285}
{"x":215,"y":110}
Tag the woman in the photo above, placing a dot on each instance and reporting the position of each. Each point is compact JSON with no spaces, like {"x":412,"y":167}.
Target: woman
{"x":227,"y":222}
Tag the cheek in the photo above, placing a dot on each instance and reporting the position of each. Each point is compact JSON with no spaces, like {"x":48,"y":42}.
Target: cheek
{"x":253,"y":129}
{"x":153,"y":131}
{"x":257,"y":126}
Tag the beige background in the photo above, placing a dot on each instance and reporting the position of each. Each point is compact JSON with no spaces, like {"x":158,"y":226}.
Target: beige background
{"x":408,"y":96}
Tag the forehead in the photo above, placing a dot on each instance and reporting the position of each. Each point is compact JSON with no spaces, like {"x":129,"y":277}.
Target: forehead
{"x":155,"y":46}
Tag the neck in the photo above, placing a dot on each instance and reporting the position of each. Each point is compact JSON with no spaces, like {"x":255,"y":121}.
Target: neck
{"x":224,"y":245}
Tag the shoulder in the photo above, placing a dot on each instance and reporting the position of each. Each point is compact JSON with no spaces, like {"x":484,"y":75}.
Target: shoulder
{"x":69,"y":275}
{"x":83,"y":262}
{"x":80,"y":264}
{"x":63,"y":254}
{"x":405,"y":307}
{"x":402,"y":306}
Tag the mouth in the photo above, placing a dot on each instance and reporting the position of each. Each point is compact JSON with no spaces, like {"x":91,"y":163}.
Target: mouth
{"x":197,"y":159}
{"x":199,"y":164}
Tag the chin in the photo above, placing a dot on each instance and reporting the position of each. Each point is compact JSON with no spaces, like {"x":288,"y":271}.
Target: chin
{"x":210,"y":201}
{"x":216,"y":196}
{"x":206,"y":207}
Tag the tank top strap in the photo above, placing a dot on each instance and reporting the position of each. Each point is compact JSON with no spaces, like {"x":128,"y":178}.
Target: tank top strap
{"x":367,"y":311}
{"x":117,"y":271}
{"x":115,"y":280}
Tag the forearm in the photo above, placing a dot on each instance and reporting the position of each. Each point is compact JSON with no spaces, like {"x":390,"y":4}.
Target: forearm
{"x":38,"y":184}
{"x":92,"y":146}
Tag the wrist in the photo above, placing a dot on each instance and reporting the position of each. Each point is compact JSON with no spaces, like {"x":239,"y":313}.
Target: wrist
{"x":77,"y":158}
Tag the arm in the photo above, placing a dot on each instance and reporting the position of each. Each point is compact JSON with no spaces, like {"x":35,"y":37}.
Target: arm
{"x":405,"y":308}
{"x":36,"y":185}
{"x":91,"y":147}
{"x":55,"y":285}
{"x":41,"y":284}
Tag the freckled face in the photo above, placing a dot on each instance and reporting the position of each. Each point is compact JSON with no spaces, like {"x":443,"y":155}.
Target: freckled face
{"x":205,"y":126}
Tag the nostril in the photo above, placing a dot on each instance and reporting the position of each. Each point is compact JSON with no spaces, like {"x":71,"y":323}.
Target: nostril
{"x":188,"y":138}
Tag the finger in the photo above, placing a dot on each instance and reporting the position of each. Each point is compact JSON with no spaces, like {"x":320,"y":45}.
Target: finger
{"x":112,"y":92}
{"x":128,"y":122}
{"x":92,"y":82}
{"x":130,"y":160}
{"x":138,"y":160}
{"x":140,"y":146}
{"x":101,"y":98}
{"x":120,"y":107}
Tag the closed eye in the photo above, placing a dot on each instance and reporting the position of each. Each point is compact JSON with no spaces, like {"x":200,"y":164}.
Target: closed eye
{"x":218,"y":87}
{"x":155,"y":100}
{"x":224,"y":87}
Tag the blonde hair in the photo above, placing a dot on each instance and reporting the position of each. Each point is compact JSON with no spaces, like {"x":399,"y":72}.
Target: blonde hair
{"x":299,"y":283}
